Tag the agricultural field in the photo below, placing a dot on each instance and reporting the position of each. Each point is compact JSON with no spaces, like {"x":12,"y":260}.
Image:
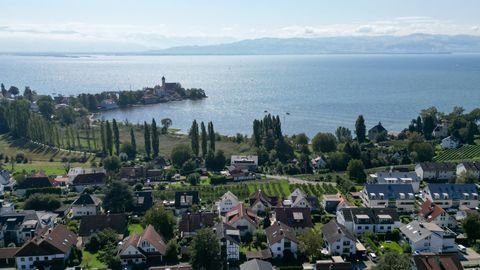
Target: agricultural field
{"x":462,"y":153}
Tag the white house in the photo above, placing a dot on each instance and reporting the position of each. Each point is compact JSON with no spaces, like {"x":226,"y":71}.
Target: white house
{"x":250,"y":162}
{"x":432,"y":213}
{"x":229,"y":237}
{"x":400,"y":196}
{"x":281,"y":239}
{"x":260,"y":201}
{"x":242,"y":219}
{"x":441,"y":171}
{"x":472,"y":168}
{"x":54,"y":246}
{"x":298,"y":199}
{"x":86,"y":205}
{"x":227,"y":202}
{"x":376,"y":220}
{"x":138,"y":249}
{"x":394,"y":177}
{"x":450,"y":142}
{"x":318,"y":163}
{"x":452,"y":195}
{"x":338,"y":240}
{"x":428,"y":237}
{"x":440,"y":131}
{"x":4,"y":180}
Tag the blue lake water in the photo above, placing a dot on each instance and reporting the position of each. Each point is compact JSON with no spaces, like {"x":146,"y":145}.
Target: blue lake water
{"x":319,"y":92}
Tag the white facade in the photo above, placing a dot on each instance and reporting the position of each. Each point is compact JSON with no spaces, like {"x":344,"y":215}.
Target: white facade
{"x":84,"y":210}
{"x":244,"y":226}
{"x":426,"y":237}
{"x":259,"y":207}
{"x":28,"y":262}
{"x":281,"y":246}
{"x":446,"y":200}
{"x":233,"y":250}
{"x":408,"y":178}
{"x":450,"y":143}
{"x":227,"y":202}
{"x":462,"y":169}
{"x":359,"y":227}
{"x":344,"y":246}
{"x":435,"y":173}
{"x":374,"y":200}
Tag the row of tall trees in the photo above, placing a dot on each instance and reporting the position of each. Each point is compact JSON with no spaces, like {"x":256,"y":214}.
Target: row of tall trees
{"x":201,"y":139}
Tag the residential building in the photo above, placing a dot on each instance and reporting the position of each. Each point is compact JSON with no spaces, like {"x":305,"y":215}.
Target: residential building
{"x":331,"y":201}
{"x":190,"y":223}
{"x":50,"y":247}
{"x":242,"y":219}
{"x":238,"y":173}
{"x":433,"y":261}
{"x":298,"y":218}
{"x":86,"y":205}
{"x":281,"y":239}
{"x":428,"y":237}
{"x":108,"y":104}
{"x":338,"y":240}
{"x":395,"y":177}
{"x":6,"y":207}
{"x":400,"y":196}
{"x":96,"y":223}
{"x":19,"y":227}
{"x":377,"y":133}
{"x":472,"y":168}
{"x":318,"y":163}
{"x":260,"y":201}
{"x":38,"y":180}
{"x":298,"y":199}
{"x":147,"y":248}
{"x":432,"y":213}
{"x":452,"y":195}
{"x":81,"y":178}
{"x":250,"y":162}
{"x":4,"y":180}
{"x":376,"y":220}
{"x":334,"y":263}
{"x":184,"y":200}
{"x":227,"y":202}
{"x":450,"y":142}
{"x":142,"y":201}
{"x":7,"y":256}
{"x":256,"y":264}
{"x":229,"y":238}
{"x":441,"y":130}
{"x":435,"y":171}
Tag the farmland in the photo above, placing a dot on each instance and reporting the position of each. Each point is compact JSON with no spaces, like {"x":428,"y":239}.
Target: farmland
{"x":462,"y":153}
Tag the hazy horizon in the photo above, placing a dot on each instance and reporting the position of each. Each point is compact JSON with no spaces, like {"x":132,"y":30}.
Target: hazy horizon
{"x":135,"y":26}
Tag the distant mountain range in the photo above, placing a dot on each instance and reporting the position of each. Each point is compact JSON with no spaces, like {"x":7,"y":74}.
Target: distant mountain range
{"x":411,"y":44}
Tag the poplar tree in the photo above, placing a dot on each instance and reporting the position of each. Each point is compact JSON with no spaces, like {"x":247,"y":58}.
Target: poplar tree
{"x":360,"y":129}
{"x":146,"y":136}
{"x":108,"y":137}
{"x":155,"y":139}
{"x":211,"y":137}
{"x":203,"y":138}
{"x":194,"y":138}
{"x":133,"y":142}
{"x":116,"y":136}
{"x":102,"y":139}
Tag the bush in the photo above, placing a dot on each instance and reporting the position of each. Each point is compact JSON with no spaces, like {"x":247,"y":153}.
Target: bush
{"x":46,"y":202}
{"x":47,"y":190}
{"x":19,"y":157}
{"x":218,"y":179}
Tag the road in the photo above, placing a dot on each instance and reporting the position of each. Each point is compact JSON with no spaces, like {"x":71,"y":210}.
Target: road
{"x":294,"y":180}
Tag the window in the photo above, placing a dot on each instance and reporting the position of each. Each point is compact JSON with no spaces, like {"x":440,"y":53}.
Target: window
{"x":359,"y":227}
{"x":381,"y":227}
{"x":279,"y":248}
{"x":22,"y":259}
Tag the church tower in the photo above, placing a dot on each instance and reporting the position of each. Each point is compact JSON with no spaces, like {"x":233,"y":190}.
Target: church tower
{"x":163,"y":82}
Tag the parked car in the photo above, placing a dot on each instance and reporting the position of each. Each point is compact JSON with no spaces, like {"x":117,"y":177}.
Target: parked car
{"x":462,"y":248}
{"x":372,"y":256}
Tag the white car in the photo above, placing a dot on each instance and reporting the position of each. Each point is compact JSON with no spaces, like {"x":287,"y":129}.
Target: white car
{"x":462,"y":249}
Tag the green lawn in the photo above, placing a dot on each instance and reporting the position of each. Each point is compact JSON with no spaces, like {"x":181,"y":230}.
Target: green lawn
{"x":394,"y":246}
{"x":90,"y":261}
{"x":135,"y":228}
{"x":49,"y":168}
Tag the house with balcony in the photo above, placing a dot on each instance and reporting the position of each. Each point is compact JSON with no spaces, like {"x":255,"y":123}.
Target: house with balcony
{"x":436,"y":171}
{"x":281,"y":239}
{"x":260,"y":201}
{"x":452,"y":195}
{"x":376,"y":220}
{"x":146,"y":248}
{"x":338,"y":240}
{"x":428,"y":237}
{"x":249,"y":162}
{"x":227,"y":202}
{"x":86,"y":205}
{"x":184,"y":200}
{"x":298,"y":199}
{"x":400,"y":196}
{"x":394,"y":177}
{"x":242,"y":218}
{"x":432,"y":213}
{"x":298,"y":218}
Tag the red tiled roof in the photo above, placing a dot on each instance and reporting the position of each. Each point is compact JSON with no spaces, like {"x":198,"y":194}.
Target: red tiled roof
{"x":8,"y":253}
{"x":430,"y":211}
{"x":437,"y":262}
{"x":239,"y":212}
{"x":150,"y":235}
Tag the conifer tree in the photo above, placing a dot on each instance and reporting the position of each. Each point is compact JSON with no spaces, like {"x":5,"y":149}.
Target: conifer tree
{"x":108,"y":137}
{"x":146,"y":136}
{"x":211,"y":137}
{"x":116,"y":136}
{"x":155,"y":139}
{"x":133,"y":142}
{"x":203,"y":138}
{"x":194,"y":138}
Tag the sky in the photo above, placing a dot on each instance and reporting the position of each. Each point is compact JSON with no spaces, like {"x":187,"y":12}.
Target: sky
{"x":116,"y":25}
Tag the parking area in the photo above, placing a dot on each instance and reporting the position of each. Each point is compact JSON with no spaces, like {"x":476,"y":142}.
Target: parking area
{"x":470,"y":259}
